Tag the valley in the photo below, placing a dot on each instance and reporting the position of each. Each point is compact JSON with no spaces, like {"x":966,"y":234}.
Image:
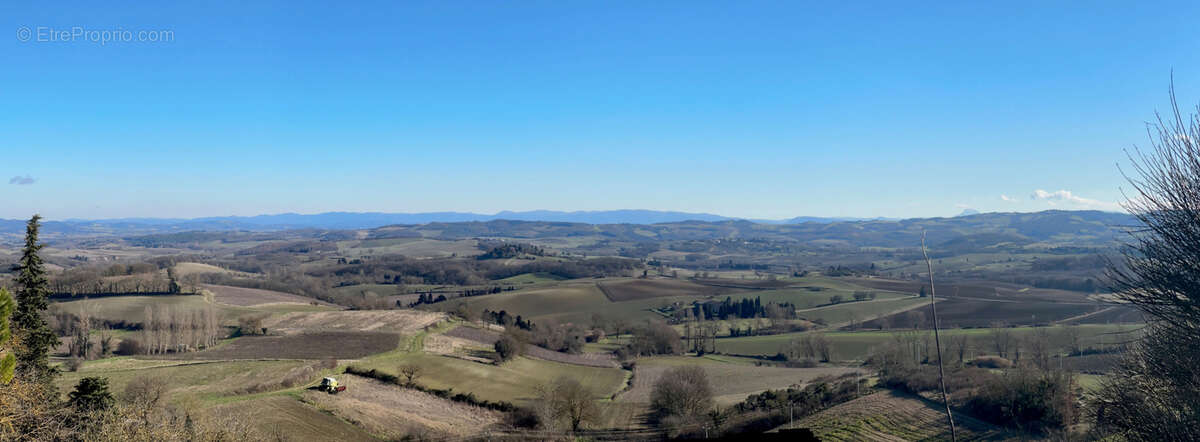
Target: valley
{"x":234,"y":324}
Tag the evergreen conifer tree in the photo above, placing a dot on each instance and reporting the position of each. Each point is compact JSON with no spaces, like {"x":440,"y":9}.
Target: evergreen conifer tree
{"x":27,"y":323}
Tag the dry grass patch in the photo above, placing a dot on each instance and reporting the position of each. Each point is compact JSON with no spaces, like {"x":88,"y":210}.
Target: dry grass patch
{"x":285,"y":418}
{"x":892,"y":416}
{"x":322,"y":345}
{"x":394,"y":321}
{"x":514,"y":381}
{"x":446,"y":345}
{"x":194,"y":268}
{"x":394,"y":411}
{"x":244,"y":297}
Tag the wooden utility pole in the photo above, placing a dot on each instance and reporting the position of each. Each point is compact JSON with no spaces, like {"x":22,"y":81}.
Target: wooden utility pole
{"x":937,"y":340}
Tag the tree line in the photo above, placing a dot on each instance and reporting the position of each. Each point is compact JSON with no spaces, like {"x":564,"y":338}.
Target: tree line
{"x":135,"y":278}
{"x":177,"y":330}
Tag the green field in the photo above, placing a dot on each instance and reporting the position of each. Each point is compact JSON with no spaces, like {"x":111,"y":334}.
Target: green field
{"x":888,"y":416}
{"x":577,"y":300}
{"x":369,"y":290}
{"x":513,"y":381}
{"x":569,"y":301}
{"x":1090,"y":382}
{"x":857,"y":344}
{"x":130,"y":308}
{"x":847,"y":312}
{"x":804,"y":298}
{"x":731,"y":378}
{"x":187,"y":381}
{"x":564,"y":302}
{"x":530,"y":279}
{"x":133,"y":308}
{"x":968,"y":262}
{"x":414,"y":247}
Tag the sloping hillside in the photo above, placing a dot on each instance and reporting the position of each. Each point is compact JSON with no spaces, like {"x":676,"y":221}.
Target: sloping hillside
{"x":891,"y":416}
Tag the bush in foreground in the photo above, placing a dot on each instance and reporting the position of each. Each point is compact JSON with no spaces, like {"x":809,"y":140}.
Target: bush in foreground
{"x":1022,"y":399}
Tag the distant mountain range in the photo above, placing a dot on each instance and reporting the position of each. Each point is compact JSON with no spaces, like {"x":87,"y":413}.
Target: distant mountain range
{"x":367,"y":220}
{"x":1037,"y":224}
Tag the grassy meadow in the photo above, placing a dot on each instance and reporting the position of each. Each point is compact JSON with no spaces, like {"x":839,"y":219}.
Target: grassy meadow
{"x":856,"y":345}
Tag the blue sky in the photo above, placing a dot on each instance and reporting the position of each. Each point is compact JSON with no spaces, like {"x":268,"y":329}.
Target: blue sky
{"x":754,"y":109}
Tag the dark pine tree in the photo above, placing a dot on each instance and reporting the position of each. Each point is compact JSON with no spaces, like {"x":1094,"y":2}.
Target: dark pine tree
{"x":27,"y":323}
{"x":91,"y":394}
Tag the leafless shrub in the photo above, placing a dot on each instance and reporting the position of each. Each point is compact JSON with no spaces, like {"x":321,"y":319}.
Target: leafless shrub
{"x":146,"y":392}
{"x":681,"y":393}
{"x":74,"y":364}
{"x":1002,"y":339}
{"x":130,"y":346}
{"x":568,"y":402}
{"x":106,"y":342}
{"x":957,"y":344}
{"x":991,"y":362}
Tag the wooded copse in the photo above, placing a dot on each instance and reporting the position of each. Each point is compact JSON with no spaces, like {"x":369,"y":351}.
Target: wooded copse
{"x":140,"y":278}
{"x":508,"y":250}
{"x":176,"y":330}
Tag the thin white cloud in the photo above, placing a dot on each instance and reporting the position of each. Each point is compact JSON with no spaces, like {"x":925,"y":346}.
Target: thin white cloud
{"x":22,"y":180}
{"x":1065,"y":196}
{"x":1008,"y":198}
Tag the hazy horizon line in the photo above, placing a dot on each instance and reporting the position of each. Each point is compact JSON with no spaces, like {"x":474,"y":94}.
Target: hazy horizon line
{"x":556,"y":211}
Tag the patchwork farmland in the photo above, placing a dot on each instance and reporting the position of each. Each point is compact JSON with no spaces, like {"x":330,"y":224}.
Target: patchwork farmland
{"x":455,"y":345}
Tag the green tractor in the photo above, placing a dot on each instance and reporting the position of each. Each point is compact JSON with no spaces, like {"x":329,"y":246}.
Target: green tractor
{"x":330,"y":385}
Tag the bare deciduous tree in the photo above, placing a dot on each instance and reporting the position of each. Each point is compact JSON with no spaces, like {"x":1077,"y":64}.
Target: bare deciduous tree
{"x":682,"y":393}
{"x":822,"y":347}
{"x":146,"y":392}
{"x":1002,"y":339}
{"x":958,"y":346}
{"x":1074,"y":341}
{"x":410,"y":372}
{"x":1155,"y":395}
{"x":915,"y":319}
{"x":567,"y":401}
{"x":1039,"y":349}
{"x":107,"y":342}
{"x":81,"y":340}
{"x":166,"y":329}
